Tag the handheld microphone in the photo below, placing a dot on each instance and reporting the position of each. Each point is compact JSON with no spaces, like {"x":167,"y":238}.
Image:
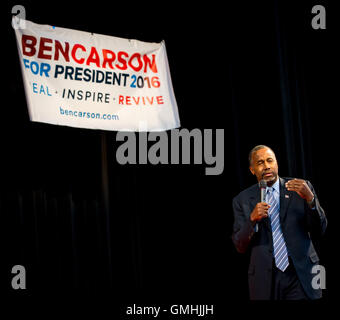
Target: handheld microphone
{"x":263,"y":186}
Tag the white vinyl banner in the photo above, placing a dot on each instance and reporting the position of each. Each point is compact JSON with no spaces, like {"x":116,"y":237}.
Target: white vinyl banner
{"x":79,"y":79}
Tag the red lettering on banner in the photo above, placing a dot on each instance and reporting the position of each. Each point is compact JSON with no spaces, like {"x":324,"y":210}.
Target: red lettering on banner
{"x":64,"y":52}
{"x":160,"y":99}
{"x":108,"y":60}
{"x":140,"y":63}
{"x":121,"y":99}
{"x":146,"y":101}
{"x":121,"y":60}
{"x":73,"y":53}
{"x":28,"y":42}
{"x":152,"y":64}
{"x":93,"y":57}
{"x":43,"y":47}
{"x":136,"y":100}
{"x":150,"y":101}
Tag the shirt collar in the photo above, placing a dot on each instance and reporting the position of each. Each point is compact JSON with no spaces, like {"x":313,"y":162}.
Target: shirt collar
{"x":276,"y":185}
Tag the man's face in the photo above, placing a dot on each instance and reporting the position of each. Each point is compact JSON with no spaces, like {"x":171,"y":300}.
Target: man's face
{"x":264,"y":166}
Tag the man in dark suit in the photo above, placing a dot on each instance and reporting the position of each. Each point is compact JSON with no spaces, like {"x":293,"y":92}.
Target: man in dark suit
{"x":278,"y":232}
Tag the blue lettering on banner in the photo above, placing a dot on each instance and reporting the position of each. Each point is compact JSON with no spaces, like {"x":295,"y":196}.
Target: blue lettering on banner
{"x":42,"y":89}
{"x":42,"y":69}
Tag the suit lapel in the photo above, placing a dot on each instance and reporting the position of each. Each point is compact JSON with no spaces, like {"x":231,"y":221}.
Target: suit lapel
{"x":285,"y":199}
{"x":254,"y":197}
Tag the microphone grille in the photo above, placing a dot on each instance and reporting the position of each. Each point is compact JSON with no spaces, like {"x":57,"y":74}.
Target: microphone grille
{"x":262,"y":184}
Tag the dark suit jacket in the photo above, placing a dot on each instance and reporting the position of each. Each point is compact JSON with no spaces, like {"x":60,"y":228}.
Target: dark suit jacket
{"x":298,"y":223}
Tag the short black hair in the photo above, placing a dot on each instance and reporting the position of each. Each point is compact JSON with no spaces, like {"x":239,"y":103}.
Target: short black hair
{"x":258,"y":147}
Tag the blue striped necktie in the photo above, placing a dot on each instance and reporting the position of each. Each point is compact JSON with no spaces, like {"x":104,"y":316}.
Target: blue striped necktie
{"x":279,"y":245}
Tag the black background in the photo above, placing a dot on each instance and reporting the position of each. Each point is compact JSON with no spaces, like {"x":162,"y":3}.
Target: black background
{"x":86,"y":227}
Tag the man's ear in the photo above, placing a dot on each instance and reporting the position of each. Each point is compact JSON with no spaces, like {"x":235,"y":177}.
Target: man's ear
{"x":251,"y":170}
